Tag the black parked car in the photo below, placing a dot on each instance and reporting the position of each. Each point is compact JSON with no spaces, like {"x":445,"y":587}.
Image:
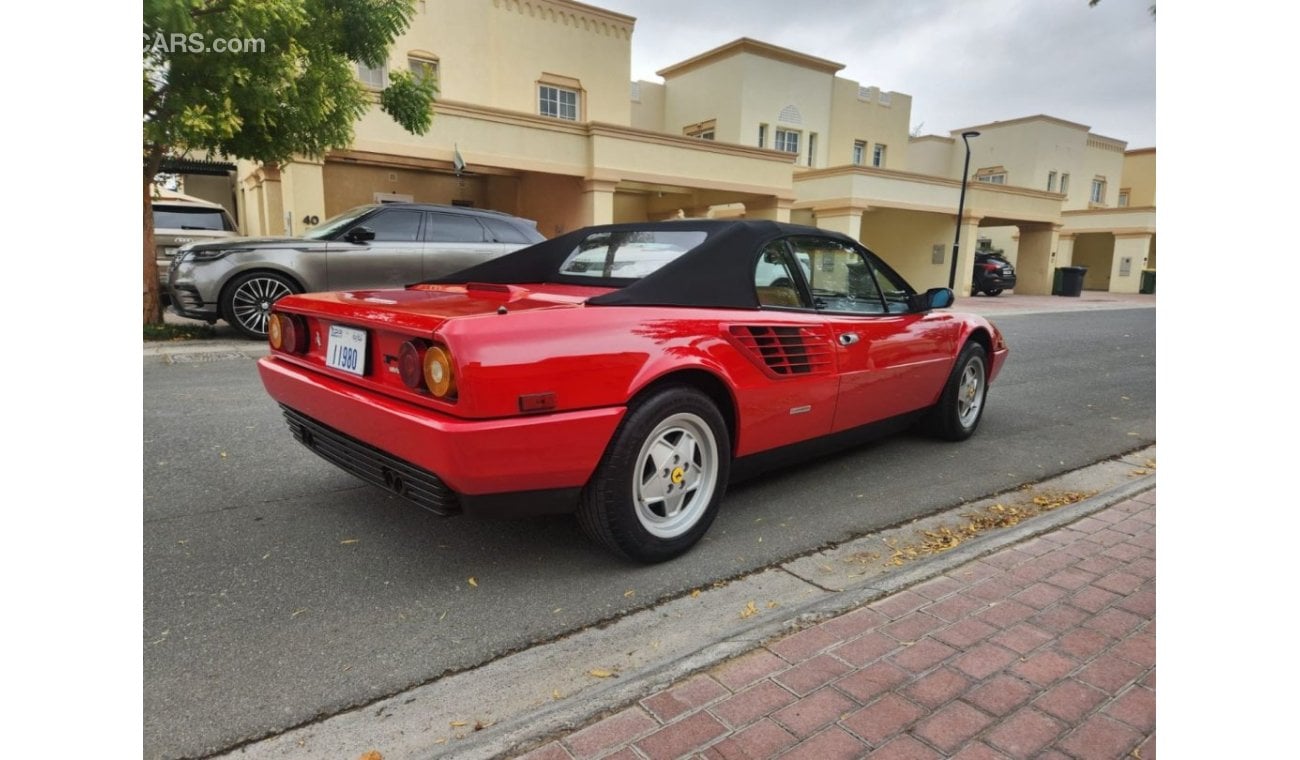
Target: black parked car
{"x":993,"y":274}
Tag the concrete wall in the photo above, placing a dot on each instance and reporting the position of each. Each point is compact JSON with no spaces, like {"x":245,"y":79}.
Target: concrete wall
{"x":348,"y":186}
{"x":1094,"y":251}
{"x":1139,"y":177}
{"x":709,"y":92}
{"x":493,"y":52}
{"x":932,"y":155}
{"x":855,"y":118}
{"x":905,"y":240}
{"x":769,"y":87}
{"x":648,"y":107}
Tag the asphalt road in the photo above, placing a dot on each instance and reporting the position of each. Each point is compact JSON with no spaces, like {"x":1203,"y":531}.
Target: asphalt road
{"x":278,"y":589}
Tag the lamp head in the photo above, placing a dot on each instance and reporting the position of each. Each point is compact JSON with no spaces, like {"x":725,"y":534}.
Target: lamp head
{"x":971,"y":133}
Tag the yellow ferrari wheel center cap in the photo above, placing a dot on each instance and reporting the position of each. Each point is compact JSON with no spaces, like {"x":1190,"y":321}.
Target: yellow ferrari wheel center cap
{"x":678,"y":475}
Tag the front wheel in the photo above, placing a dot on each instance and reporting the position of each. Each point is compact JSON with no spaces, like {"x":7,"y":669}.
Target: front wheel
{"x":246,"y":303}
{"x":659,"y":485}
{"x":960,"y":407}
{"x":993,"y":291}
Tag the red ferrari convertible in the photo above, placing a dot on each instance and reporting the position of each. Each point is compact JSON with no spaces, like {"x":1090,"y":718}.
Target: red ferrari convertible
{"x":625,"y":372}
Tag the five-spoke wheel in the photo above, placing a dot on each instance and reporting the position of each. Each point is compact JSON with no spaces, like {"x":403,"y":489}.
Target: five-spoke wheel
{"x":658,"y":487}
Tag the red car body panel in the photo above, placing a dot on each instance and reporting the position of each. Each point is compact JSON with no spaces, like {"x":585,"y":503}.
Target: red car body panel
{"x":594,"y":359}
{"x":472,"y":456}
{"x":781,"y":377}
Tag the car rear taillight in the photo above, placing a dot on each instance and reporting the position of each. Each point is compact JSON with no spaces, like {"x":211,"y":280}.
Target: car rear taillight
{"x":438,"y":373}
{"x":287,"y":332}
{"x":410,"y":363}
{"x":990,"y":266}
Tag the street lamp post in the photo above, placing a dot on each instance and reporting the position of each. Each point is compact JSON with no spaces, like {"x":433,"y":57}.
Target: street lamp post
{"x":961,"y":203}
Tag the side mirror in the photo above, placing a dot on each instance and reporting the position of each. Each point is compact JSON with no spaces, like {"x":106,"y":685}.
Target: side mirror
{"x":359,"y":235}
{"x":934,"y":298}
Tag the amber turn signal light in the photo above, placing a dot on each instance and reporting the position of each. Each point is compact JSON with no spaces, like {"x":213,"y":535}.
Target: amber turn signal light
{"x":287,"y":332}
{"x":438,"y":375}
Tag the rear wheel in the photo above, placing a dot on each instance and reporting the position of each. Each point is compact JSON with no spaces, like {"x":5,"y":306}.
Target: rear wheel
{"x":993,"y":291}
{"x":961,"y":406}
{"x":246,"y":303}
{"x":659,"y":485}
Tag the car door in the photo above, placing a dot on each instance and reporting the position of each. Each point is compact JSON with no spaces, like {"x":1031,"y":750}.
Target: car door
{"x":454,"y":242}
{"x":890,"y":360}
{"x":795,"y":400}
{"x":395,"y":257}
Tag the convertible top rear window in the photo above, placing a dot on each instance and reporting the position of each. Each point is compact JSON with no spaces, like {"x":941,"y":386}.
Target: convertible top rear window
{"x":628,"y":254}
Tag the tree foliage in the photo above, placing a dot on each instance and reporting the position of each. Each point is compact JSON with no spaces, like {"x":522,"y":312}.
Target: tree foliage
{"x":290,"y":90}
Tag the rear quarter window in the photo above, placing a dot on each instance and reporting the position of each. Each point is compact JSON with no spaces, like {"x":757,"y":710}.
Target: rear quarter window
{"x":628,"y":255}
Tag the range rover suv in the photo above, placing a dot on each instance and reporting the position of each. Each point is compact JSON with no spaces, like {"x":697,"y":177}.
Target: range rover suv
{"x":373,"y":246}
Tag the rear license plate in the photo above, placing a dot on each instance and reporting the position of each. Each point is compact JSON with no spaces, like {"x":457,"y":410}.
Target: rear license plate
{"x":346,"y":349}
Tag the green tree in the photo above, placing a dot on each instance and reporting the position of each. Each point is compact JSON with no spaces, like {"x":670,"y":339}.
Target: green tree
{"x":290,"y":90}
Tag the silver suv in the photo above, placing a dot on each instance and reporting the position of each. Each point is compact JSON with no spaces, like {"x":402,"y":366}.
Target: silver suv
{"x":179,"y":219}
{"x":375,"y":246}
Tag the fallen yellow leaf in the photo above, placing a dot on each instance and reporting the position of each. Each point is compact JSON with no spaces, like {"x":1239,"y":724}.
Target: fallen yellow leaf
{"x":600,"y":673}
{"x":629,"y":593}
{"x":371,"y":755}
{"x":695,"y":593}
{"x":555,"y":694}
{"x":459,"y":723}
{"x":750,"y":610}
{"x":349,"y":541}
{"x":473,"y":581}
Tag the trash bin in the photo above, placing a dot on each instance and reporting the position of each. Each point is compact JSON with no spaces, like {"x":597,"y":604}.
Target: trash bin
{"x":1071,"y":281}
{"x":1148,"y":281}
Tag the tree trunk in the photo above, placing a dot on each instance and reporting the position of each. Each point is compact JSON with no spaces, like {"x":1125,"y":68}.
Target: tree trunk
{"x":152,"y":299}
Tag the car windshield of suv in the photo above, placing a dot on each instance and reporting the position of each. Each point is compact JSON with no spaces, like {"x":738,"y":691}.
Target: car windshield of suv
{"x":628,"y":255}
{"x":328,"y":227}
{"x":190,"y":218}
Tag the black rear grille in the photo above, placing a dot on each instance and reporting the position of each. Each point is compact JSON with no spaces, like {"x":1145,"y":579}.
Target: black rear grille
{"x":372,"y":465}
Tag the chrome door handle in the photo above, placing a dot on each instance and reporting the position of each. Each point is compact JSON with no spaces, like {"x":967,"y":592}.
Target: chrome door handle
{"x":848,"y":339}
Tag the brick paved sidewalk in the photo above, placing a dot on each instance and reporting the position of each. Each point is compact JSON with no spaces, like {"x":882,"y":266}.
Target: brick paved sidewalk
{"x":1045,"y":649}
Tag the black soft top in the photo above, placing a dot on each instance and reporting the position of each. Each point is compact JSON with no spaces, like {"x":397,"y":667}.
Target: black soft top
{"x":717,"y":273}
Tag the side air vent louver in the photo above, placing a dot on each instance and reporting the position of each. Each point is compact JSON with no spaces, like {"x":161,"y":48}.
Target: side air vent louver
{"x":785,"y":351}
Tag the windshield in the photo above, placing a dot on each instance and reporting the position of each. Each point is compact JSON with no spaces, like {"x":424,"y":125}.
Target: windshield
{"x":628,"y":255}
{"x":328,"y":227}
{"x":190,"y":218}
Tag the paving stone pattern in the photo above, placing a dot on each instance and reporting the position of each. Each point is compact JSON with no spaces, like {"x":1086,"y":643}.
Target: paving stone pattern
{"x":1046,"y":649}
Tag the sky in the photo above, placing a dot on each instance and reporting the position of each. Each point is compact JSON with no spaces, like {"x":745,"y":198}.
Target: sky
{"x":964,"y":62}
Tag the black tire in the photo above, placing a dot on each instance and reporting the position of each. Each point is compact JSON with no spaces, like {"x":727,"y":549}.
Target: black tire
{"x":246,"y":301}
{"x":993,"y":291}
{"x":622,"y":508}
{"x":953,"y":418}
{"x":782,"y":282}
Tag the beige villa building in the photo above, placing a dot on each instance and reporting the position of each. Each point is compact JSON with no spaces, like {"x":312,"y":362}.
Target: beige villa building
{"x":536,"y":99}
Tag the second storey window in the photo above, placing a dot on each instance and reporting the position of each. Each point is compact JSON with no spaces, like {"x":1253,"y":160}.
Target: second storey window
{"x":423,"y":68}
{"x":1065,"y":183}
{"x":1123,"y":197}
{"x":1051,"y":182}
{"x":859,"y":153}
{"x":374,"y":78}
{"x":557,"y":102}
{"x":1098,"y":194}
{"x":787,"y":140}
{"x":762,"y":135}
{"x":994,"y":175}
{"x":878,"y":155}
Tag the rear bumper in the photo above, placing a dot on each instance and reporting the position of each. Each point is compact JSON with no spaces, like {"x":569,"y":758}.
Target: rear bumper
{"x":473,"y":458}
{"x":996,"y":283}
